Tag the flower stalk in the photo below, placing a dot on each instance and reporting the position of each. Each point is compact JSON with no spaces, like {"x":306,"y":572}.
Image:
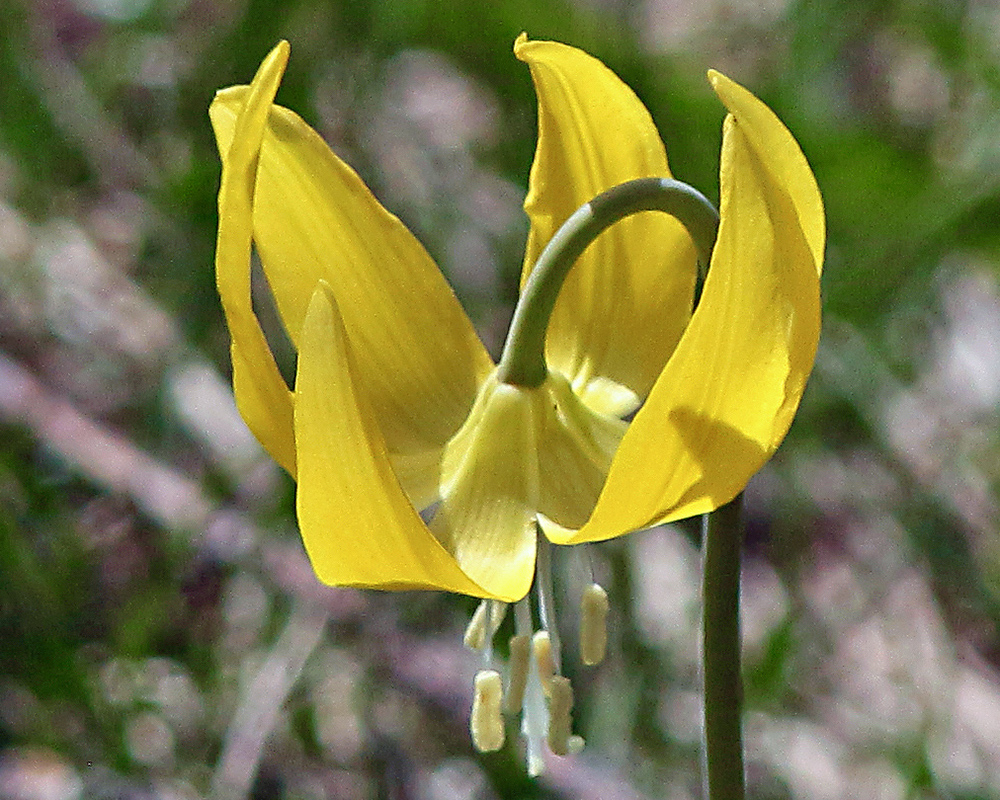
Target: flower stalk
{"x":522,"y":362}
{"x":722,"y":737}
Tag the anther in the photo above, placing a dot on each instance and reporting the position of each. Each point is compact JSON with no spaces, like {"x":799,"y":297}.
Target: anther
{"x":484,"y":623}
{"x":519,"y":663}
{"x":498,"y":610}
{"x":475,"y":633}
{"x":560,"y":718}
{"x":486,"y":721}
{"x":541,"y":646}
{"x":593,"y":624}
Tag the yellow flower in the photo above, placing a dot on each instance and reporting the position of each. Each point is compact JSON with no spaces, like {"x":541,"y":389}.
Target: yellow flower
{"x":397,"y":405}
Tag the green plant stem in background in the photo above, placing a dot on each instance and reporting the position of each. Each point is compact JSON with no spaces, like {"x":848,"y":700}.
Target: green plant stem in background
{"x":722,"y":538}
{"x":522,"y":362}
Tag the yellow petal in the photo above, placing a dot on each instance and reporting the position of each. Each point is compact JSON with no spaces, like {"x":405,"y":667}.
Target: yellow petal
{"x":575,"y":449}
{"x":625,"y":303}
{"x":261,"y":393}
{"x":417,"y":354}
{"x":419,"y":472}
{"x":358,"y":526}
{"x":780,"y":155}
{"x":489,"y":491}
{"x":726,"y":398}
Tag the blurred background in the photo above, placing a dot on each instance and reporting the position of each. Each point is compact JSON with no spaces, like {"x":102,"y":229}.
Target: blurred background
{"x":161,"y":633}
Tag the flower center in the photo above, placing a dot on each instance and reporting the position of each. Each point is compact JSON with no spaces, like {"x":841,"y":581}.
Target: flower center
{"x":534,"y":687}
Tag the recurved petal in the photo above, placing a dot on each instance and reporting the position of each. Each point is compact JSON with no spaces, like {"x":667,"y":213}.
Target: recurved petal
{"x":357,"y":524}
{"x":489,"y":491}
{"x":726,"y":398}
{"x":781,"y":156}
{"x":626,"y":301}
{"x":314,"y":219}
{"x":261,"y":394}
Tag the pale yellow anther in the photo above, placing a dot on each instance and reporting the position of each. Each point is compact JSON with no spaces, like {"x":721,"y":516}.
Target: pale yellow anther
{"x":560,"y":716}
{"x":498,"y":610}
{"x":475,"y":633}
{"x":593,"y":625}
{"x":484,"y":623}
{"x":486,"y":721}
{"x":541,"y":646}
{"x":519,"y":664}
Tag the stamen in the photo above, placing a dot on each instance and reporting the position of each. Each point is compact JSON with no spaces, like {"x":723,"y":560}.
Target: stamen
{"x":486,"y":721}
{"x":588,"y":553}
{"x":560,"y":716}
{"x":522,"y":617}
{"x":541,"y":646}
{"x":546,"y":598}
{"x":475,"y":633}
{"x":498,"y":610}
{"x":534,"y":687}
{"x":519,"y":665}
{"x":593,"y":625}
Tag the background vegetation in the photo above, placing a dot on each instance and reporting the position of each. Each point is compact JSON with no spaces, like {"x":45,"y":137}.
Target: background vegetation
{"x":161,"y":635}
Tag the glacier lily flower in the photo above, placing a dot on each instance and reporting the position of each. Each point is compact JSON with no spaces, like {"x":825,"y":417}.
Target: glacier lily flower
{"x":396,"y":403}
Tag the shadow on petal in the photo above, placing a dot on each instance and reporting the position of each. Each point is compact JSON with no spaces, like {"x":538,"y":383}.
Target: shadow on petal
{"x":726,"y":457}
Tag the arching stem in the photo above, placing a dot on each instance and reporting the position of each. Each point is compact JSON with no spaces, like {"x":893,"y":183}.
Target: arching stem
{"x":523,"y":360}
{"x":522,"y":363}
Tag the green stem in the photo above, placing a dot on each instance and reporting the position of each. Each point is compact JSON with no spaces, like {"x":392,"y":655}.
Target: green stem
{"x":523,"y":360}
{"x":722,"y":537}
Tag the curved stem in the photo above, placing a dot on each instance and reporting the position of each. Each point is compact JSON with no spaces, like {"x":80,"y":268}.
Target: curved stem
{"x":722,"y":537}
{"x":523,"y":360}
